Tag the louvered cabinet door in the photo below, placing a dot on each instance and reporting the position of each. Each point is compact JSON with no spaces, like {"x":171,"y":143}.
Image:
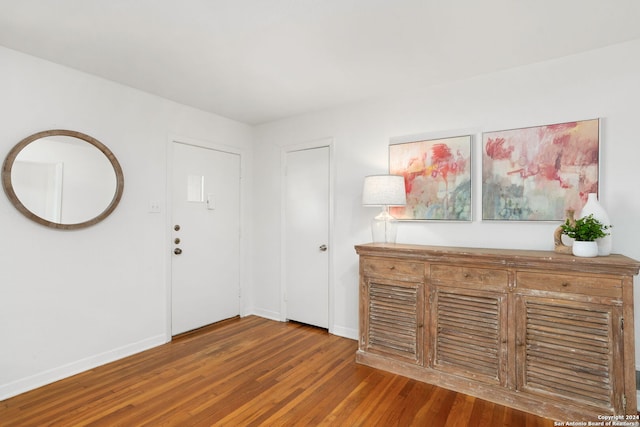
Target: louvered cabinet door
{"x":392,"y":308}
{"x":469,"y":321}
{"x":566,"y":350}
{"x":469,"y":333}
{"x":394,"y":319}
{"x":569,"y":343}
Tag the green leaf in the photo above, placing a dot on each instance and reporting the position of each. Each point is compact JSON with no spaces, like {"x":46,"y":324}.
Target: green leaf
{"x":586,"y":229}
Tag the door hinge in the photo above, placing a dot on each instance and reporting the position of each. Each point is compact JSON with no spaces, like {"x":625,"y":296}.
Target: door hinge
{"x":624,"y":403}
{"x":622,"y":323}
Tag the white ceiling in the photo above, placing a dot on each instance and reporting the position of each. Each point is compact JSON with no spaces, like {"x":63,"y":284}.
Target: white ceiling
{"x":260,"y":60}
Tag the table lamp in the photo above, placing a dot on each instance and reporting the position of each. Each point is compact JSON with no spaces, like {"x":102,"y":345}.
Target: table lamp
{"x":385,"y":191}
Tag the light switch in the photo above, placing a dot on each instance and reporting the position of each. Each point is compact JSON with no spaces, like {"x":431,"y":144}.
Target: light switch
{"x":211,"y":204}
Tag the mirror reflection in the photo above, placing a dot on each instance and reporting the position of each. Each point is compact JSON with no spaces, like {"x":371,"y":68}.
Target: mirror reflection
{"x":63,"y":179}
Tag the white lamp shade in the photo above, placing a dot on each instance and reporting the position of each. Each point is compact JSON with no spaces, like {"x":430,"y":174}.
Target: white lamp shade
{"x":384,"y":190}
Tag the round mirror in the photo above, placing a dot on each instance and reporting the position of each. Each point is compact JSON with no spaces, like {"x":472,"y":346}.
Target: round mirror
{"x":63,"y":179}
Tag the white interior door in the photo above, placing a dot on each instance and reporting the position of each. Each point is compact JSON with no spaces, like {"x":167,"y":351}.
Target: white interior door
{"x":205,"y":267}
{"x":307,"y":236}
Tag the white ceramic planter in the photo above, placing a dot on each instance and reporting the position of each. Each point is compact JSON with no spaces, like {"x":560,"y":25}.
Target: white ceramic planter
{"x":585,"y":249}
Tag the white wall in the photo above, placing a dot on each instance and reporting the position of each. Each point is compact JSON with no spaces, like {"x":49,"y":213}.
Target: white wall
{"x":599,"y":84}
{"x":70,"y":300}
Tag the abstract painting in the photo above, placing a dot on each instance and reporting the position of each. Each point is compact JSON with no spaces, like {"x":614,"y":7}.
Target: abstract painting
{"x":538,"y":173}
{"x":437,"y":176}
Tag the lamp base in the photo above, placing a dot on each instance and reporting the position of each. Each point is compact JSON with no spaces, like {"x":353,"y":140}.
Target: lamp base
{"x":384,"y":227}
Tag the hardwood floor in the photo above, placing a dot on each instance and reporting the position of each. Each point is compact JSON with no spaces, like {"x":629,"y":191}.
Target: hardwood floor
{"x":251,"y":372}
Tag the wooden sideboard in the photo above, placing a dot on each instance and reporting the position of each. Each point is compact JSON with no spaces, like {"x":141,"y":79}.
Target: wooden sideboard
{"x":547,"y":333}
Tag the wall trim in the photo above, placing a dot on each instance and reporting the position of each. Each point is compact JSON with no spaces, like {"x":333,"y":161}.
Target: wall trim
{"x":267,"y":314}
{"x":52,"y":375}
{"x":345,"y":332}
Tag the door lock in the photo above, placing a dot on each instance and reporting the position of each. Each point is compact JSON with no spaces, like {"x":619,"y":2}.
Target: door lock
{"x":177,"y":251}
{"x":323,"y":248}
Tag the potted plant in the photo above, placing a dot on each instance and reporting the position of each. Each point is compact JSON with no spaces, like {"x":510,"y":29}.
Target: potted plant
{"x":585,"y":231}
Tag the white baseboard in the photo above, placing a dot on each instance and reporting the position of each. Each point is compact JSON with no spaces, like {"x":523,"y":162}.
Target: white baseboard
{"x":52,"y":375}
{"x":341,"y":331}
{"x":267,"y":314}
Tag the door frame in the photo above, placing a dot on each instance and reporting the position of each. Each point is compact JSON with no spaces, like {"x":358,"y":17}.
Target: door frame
{"x":244,"y":273}
{"x":318,"y":143}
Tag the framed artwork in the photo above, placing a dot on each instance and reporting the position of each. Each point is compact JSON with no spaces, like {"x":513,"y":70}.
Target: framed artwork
{"x":538,"y":173}
{"x":437,"y":176}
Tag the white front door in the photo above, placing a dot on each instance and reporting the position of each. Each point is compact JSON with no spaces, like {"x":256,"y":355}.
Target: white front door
{"x":205,"y":267}
{"x":307,"y":248}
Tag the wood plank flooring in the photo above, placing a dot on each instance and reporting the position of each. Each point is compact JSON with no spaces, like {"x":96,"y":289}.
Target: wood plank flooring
{"x":251,"y":372}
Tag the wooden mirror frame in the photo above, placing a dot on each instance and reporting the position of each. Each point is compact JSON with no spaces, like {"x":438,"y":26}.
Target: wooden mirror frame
{"x":13,"y":198}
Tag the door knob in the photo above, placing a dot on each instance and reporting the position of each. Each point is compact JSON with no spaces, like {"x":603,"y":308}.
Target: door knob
{"x":177,"y":251}
{"x":323,"y":248}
